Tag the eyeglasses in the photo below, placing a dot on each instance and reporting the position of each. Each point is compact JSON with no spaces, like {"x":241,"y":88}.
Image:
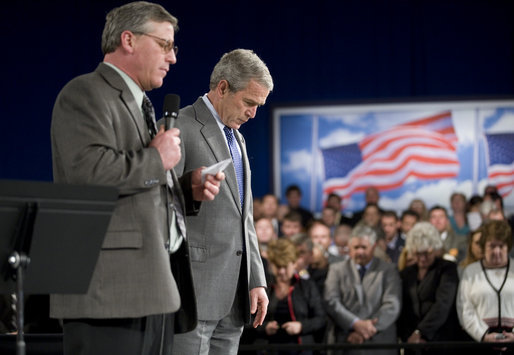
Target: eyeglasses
{"x":165,"y":44}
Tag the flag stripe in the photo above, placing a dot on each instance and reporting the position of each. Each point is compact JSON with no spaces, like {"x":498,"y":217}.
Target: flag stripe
{"x":359,"y":181}
{"x":404,"y":136}
{"x":420,"y":149}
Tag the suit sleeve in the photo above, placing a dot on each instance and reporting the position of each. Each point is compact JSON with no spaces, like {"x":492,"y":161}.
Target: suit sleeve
{"x":192,"y":207}
{"x":95,"y":141}
{"x":406,"y":321}
{"x":317,"y":316}
{"x":335,"y":308}
{"x":257,"y":276}
{"x":391,"y":299}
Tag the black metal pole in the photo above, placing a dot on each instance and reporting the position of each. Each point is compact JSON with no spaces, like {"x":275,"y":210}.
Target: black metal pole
{"x":19,"y":262}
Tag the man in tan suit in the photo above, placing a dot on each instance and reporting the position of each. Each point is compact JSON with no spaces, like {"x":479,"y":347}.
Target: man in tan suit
{"x":103,"y":133}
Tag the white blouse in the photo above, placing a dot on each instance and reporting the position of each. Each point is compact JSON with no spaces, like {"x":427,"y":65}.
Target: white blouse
{"x":477,"y":301}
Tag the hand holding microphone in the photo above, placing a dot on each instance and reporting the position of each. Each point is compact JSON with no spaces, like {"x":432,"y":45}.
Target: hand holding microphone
{"x":170,"y":110}
{"x":167,"y":140}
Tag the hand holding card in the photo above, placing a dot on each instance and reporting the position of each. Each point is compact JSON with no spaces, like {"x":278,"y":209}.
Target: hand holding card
{"x":215,"y":168}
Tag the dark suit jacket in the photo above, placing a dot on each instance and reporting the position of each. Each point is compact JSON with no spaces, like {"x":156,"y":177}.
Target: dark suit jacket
{"x":307,"y":308}
{"x":99,"y":137}
{"x":395,"y":252}
{"x":429,"y":305}
{"x":223,"y":230}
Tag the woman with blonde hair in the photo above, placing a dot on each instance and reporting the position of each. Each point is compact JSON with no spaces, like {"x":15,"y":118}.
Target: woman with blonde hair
{"x":419,"y":206}
{"x":474,"y":251}
{"x":295,"y":311}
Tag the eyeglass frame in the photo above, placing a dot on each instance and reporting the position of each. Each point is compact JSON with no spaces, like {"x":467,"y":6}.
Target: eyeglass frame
{"x":167,"y":46}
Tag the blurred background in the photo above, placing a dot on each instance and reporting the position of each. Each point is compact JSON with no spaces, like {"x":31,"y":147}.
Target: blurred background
{"x":318,"y":52}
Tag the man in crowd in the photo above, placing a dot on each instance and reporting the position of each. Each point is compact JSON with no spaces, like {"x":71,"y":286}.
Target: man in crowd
{"x":454,"y":247}
{"x":371,"y":197}
{"x":291,"y":225}
{"x":294,"y":199}
{"x":408,"y":219}
{"x":363,"y":295}
{"x":393,"y":238}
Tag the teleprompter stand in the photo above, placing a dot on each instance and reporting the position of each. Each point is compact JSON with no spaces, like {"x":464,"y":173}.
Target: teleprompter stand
{"x":50,"y":239}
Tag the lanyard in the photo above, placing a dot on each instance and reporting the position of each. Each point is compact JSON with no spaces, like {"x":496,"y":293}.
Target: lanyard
{"x":498,"y":291}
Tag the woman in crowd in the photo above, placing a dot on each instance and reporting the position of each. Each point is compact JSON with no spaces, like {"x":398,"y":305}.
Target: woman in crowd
{"x":406,"y":259}
{"x":485,"y":301}
{"x":295,"y":311}
{"x":419,"y":206}
{"x":429,"y":291}
{"x":474,"y":250}
{"x":458,"y":218}
{"x":265,"y":234}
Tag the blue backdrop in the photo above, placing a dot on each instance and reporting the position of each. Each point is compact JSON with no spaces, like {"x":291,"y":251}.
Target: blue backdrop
{"x":317,"y":51}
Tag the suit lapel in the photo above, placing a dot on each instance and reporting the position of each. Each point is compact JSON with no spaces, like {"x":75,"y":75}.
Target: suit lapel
{"x":214,"y":138}
{"x":357,"y":284}
{"x":116,"y":81}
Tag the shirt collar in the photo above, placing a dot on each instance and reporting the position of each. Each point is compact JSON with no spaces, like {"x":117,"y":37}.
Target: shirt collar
{"x":135,"y":90}
{"x":211,"y":108}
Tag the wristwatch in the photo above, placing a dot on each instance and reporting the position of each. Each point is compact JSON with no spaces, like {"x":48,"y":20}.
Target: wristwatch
{"x":417,"y":332}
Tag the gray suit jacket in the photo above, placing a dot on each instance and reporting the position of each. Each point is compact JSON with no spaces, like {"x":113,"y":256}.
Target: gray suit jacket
{"x":377,"y":296}
{"x":99,"y":137}
{"x":216,"y":235}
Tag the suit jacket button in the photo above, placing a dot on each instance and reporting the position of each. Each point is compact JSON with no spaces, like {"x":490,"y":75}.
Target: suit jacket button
{"x":239,"y":252}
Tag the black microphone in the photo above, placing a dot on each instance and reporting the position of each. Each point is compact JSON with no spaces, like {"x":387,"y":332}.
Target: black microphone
{"x":170,"y":110}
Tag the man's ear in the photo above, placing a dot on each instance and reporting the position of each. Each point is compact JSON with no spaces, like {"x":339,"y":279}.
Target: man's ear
{"x":127,"y":40}
{"x":223,"y":87}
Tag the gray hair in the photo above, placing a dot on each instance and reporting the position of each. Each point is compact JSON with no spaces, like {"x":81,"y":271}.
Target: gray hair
{"x":134,"y":17}
{"x":238,"y":67}
{"x":363,"y":231}
{"x":423,"y":236}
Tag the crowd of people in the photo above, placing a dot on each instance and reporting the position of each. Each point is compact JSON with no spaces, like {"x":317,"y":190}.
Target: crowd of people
{"x":424,"y":275}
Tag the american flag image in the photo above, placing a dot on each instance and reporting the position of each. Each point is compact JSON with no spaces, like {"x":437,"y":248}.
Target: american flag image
{"x":424,"y":149}
{"x":500,"y":152}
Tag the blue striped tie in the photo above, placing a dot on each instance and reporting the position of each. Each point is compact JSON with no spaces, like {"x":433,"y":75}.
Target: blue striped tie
{"x":236,"y":159}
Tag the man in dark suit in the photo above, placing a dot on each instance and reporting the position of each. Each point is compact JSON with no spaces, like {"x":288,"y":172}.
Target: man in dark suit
{"x":103,"y":133}
{"x":394,"y":239}
{"x":371,"y":197}
{"x":294,"y":197}
{"x":227,"y":268}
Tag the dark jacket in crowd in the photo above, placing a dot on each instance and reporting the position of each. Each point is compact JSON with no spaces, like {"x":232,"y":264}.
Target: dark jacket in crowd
{"x":429,"y":304}
{"x":305,"y":306}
